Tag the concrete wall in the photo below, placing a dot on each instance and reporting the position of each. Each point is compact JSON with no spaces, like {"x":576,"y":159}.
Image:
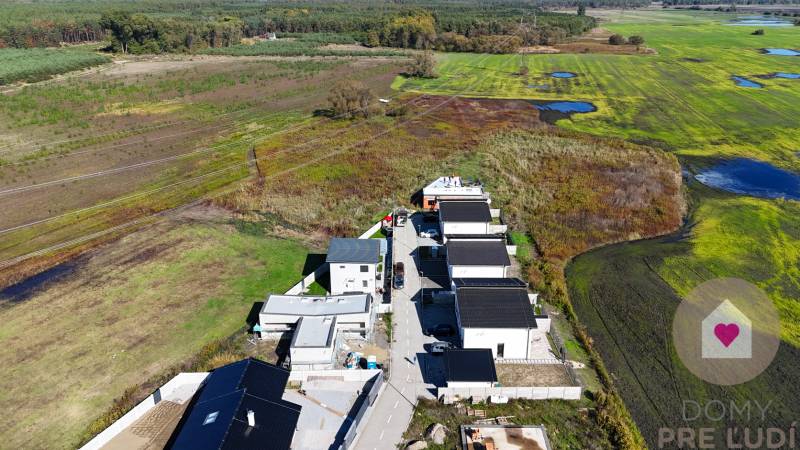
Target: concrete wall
{"x":515,"y":340}
{"x":342,"y":374}
{"x":166,"y":392}
{"x":469,"y":384}
{"x":348,"y":277}
{"x":450,"y":394}
{"x":477,"y":271}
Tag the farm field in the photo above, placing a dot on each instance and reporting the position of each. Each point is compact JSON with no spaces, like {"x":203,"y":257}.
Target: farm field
{"x":147,"y":135}
{"x":39,"y":64}
{"x":682,"y":100}
{"x":128,"y":311}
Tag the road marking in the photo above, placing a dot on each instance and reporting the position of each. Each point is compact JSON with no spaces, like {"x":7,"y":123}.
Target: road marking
{"x":396,"y":403}
{"x":389,"y":419}
{"x":380,"y":438}
{"x":402,"y":390}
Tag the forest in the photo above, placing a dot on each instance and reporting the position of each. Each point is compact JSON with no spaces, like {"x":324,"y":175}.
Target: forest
{"x":175,"y":26}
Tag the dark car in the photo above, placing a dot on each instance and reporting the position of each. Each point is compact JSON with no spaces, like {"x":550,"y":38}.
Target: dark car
{"x":442,"y":329}
{"x":399,"y":276}
{"x":437,"y":348}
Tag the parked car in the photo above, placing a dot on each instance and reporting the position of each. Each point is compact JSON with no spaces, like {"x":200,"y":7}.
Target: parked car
{"x":437,"y":348}
{"x":442,"y":329}
{"x":399,"y":275}
{"x":433,"y":234}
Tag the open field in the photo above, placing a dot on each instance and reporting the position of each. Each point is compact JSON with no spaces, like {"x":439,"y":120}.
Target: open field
{"x":666,"y":99}
{"x":39,"y":64}
{"x":148,"y":135}
{"x":125,"y":312}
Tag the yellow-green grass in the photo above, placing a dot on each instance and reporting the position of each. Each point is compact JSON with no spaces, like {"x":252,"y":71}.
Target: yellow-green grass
{"x":692,"y":107}
{"x":127,"y":312}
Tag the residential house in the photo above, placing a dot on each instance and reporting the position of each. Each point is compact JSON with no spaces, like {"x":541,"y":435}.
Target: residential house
{"x":314,"y":343}
{"x":477,"y":258}
{"x":499,"y":315}
{"x":470,"y":368}
{"x":355,"y":313}
{"x":353,"y":265}
{"x":451,"y":188}
{"x":465,"y":218}
{"x":240,"y":406}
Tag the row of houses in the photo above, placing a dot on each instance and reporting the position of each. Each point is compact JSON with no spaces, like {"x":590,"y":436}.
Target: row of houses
{"x":493,"y":310}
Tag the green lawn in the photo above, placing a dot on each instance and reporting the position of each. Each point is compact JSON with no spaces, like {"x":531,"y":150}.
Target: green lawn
{"x":35,"y":64}
{"x":691,"y":107}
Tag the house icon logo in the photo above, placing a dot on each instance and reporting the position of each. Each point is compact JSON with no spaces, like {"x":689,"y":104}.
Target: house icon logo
{"x":727,"y":333}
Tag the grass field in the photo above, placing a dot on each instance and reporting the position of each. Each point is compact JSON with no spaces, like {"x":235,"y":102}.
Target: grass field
{"x":38,"y":64}
{"x":79,"y":335}
{"x":692,"y":108}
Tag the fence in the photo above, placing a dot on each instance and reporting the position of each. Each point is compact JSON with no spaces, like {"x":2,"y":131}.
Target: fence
{"x":529,"y":361}
{"x":453,"y":394}
{"x":359,"y":421}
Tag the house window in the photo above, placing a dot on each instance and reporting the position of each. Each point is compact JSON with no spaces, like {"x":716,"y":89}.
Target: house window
{"x":364,"y":283}
{"x":365,"y":269}
{"x":341,"y":267}
{"x":501,"y":350}
{"x":431,"y":203}
{"x":211,"y":417}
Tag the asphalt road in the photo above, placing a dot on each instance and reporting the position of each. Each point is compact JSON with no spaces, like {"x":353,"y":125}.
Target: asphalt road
{"x":394,"y":408}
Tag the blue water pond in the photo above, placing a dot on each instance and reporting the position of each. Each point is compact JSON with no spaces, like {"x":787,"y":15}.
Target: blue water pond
{"x":755,"y":178}
{"x":791,"y":76}
{"x":781,"y":52}
{"x":761,"y":21}
{"x":563,"y":75}
{"x":567,"y":107}
{"x":744,"y":82}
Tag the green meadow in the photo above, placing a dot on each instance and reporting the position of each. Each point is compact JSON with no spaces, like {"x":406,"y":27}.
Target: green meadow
{"x":681,"y":99}
{"x":665,"y":99}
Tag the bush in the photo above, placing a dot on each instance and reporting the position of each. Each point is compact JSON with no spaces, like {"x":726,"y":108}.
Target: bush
{"x":636,"y":40}
{"x":616,"y":39}
{"x":423,"y":65}
{"x":759,"y":32}
{"x":350,"y":98}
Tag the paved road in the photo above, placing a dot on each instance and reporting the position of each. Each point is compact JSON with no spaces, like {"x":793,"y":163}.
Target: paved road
{"x":394,"y":408}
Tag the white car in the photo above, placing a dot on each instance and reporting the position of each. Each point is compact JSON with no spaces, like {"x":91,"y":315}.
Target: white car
{"x":433,"y":234}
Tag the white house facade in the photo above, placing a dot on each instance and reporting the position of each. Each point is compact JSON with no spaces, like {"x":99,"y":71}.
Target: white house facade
{"x":353,"y":265}
{"x":480,"y":258}
{"x":355,"y":314}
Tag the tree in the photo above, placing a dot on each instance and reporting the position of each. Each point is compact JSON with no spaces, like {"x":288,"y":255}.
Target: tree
{"x":423,"y":65}
{"x":373,"y":40}
{"x":581,"y":9}
{"x":616,"y":39}
{"x":758,"y":32}
{"x":636,"y":40}
{"x":350,"y":98}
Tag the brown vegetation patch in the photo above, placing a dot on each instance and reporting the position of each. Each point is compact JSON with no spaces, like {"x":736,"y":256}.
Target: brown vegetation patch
{"x":596,"y":41}
{"x":512,"y":375}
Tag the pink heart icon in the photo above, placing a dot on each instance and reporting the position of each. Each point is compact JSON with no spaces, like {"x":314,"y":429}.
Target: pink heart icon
{"x":726,"y":333}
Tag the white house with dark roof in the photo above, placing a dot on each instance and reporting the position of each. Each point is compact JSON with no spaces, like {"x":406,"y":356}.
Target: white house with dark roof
{"x":477,"y":258}
{"x":353,"y":265}
{"x":499,"y":316}
{"x":469,"y":368}
{"x":465,"y":218}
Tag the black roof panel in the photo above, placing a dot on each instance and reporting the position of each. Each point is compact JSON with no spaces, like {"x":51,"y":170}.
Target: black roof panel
{"x":494,"y":308}
{"x":464,"y":212}
{"x":474,"y":364}
{"x":352,"y":250}
{"x":477,"y":253}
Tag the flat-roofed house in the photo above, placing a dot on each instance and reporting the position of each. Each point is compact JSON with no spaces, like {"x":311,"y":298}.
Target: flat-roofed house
{"x":479,"y":258}
{"x":499,"y":317}
{"x":465,"y":218}
{"x":354,"y":313}
{"x":353,"y":265}
{"x":469,"y":368}
{"x":314,"y":343}
{"x":451,"y":188}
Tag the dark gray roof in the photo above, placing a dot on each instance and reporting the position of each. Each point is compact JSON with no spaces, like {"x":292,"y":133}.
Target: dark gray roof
{"x":494,"y":308}
{"x":217,"y":417}
{"x":489,"y":282}
{"x":473,"y":364}
{"x":464,"y":212}
{"x":477,"y":253}
{"x":352,"y":250}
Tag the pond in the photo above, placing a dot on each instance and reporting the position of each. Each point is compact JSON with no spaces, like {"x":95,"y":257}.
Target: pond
{"x":780,"y":51}
{"x":749,"y":177}
{"x":790,"y":76}
{"x":551,"y":111}
{"x":761,"y":21}
{"x":744,"y":82}
{"x":563,"y":75}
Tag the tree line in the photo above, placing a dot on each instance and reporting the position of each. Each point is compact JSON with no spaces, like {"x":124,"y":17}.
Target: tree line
{"x":173,"y":26}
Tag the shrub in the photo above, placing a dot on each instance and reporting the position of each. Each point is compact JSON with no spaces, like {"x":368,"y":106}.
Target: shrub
{"x":423,"y":65}
{"x":616,"y":39}
{"x":350,"y":98}
{"x":759,"y":32}
{"x":636,"y":40}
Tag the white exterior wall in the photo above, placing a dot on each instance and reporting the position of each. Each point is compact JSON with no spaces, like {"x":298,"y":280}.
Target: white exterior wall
{"x":302,"y":355}
{"x":477,"y":271}
{"x":469,"y":384}
{"x":452,"y":228}
{"x":348,"y":277}
{"x":516,"y":340}
{"x":344,"y":322}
